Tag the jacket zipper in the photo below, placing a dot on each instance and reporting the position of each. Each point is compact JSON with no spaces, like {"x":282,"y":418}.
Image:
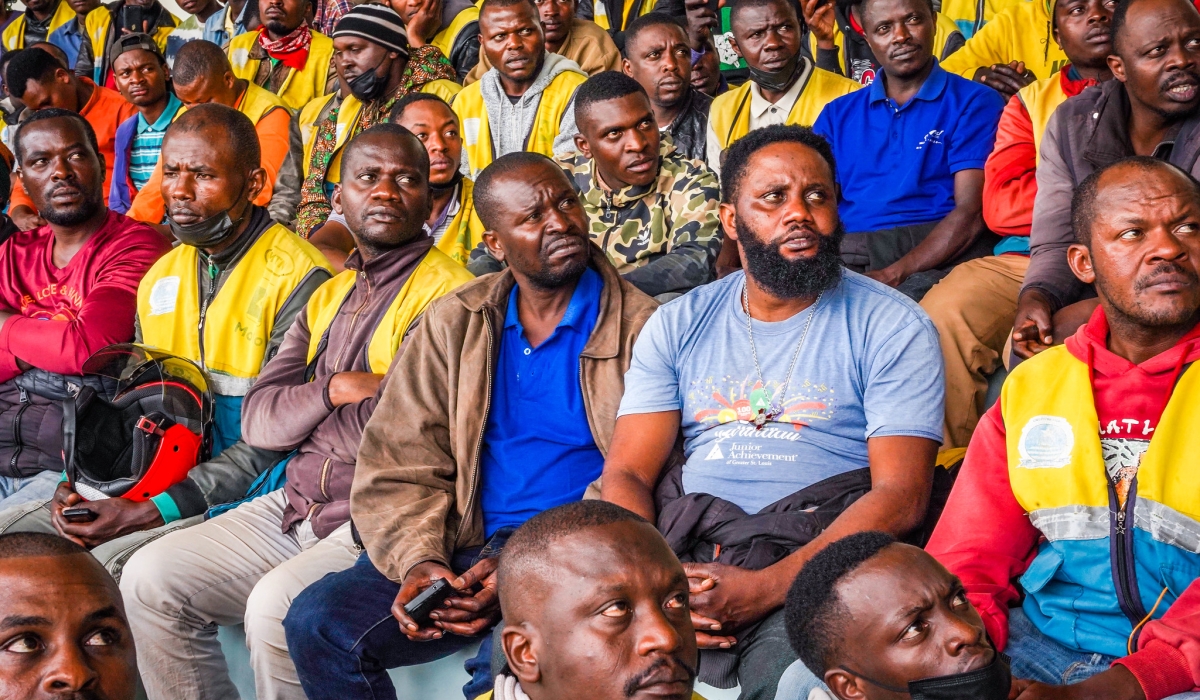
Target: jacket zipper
{"x":487,"y":407}
{"x":20,"y":444}
{"x":1124,"y":573}
{"x":337,"y":364}
{"x":213,"y":273}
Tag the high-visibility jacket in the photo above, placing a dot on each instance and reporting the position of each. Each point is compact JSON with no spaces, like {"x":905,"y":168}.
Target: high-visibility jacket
{"x":1101,"y":569}
{"x":347,"y":121}
{"x":970,"y":15}
{"x":1041,"y":98}
{"x":477,"y":136}
{"x":729,"y":116}
{"x":465,"y":231}
{"x":434,"y":276}
{"x":98,"y":24}
{"x":13,"y":36}
{"x":299,"y":87}
{"x":1020,"y":33}
{"x":629,"y":9}
{"x":448,"y":37}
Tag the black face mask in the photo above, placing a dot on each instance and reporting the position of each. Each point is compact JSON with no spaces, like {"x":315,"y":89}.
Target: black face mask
{"x":208,"y":232}
{"x":779,"y":80}
{"x":992,"y":682}
{"x":370,"y":85}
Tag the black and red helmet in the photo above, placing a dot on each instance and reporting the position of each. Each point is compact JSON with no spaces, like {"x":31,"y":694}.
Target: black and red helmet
{"x":144,"y":431}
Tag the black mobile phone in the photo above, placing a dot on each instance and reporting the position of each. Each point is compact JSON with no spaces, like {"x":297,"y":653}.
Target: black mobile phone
{"x":428,"y":601}
{"x":78,"y":515}
{"x":134,"y":18}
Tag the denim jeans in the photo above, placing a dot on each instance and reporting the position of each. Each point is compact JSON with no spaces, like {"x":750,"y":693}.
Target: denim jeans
{"x":343,"y":638}
{"x":20,"y":490}
{"x":1034,"y":656}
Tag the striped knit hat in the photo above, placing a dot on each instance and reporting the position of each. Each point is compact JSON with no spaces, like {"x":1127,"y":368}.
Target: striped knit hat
{"x":378,"y":24}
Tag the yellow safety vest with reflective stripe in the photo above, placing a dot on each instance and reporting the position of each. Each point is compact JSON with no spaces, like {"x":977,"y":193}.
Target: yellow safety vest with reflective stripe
{"x":300,"y":86}
{"x":600,"y":13}
{"x":476,"y":132}
{"x":98,"y":23}
{"x":257,"y":103}
{"x":465,"y":231}
{"x":445,"y":39}
{"x":434,"y":276}
{"x":1041,"y":98}
{"x":347,"y":121}
{"x":237,"y":323}
{"x":13,"y":36}
{"x":729,"y":115}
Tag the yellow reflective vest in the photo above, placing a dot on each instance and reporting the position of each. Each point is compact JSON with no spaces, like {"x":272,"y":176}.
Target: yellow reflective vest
{"x":1041,"y":98}
{"x":1019,"y":33}
{"x":98,"y":24}
{"x":227,"y":334}
{"x":299,"y":87}
{"x":434,"y":276}
{"x":13,"y":36}
{"x":465,"y":231}
{"x":729,"y":116}
{"x":600,"y":13}
{"x":477,"y":135}
{"x":970,"y":15}
{"x":347,"y":122}
{"x":445,"y":39}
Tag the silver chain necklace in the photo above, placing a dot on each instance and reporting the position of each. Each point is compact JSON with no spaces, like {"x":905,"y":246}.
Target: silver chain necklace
{"x":761,"y":418}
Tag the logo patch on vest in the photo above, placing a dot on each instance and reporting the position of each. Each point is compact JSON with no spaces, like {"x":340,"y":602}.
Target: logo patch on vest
{"x":470,"y":127}
{"x":163,"y":295}
{"x":278,"y":262}
{"x":1046,"y":443}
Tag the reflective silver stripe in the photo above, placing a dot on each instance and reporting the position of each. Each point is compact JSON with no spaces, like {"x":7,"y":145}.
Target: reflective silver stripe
{"x":1071,"y":522}
{"x":1167,"y":525}
{"x":227,"y":385}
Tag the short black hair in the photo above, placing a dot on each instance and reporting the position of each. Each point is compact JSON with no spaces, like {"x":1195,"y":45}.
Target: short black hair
{"x":486,"y":202}
{"x":29,"y":64}
{"x":527,"y":547}
{"x":411,"y":99}
{"x":1083,"y":201}
{"x":243,"y":139}
{"x":384,"y":129}
{"x":18,"y":545}
{"x":738,"y":155}
{"x":199,"y":58}
{"x":847,"y":5}
{"x":813,"y":613}
{"x":54,"y":113}
{"x":54,"y":51}
{"x":505,"y":3}
{"x":646,"y":21}
{"x":602,"y":87}
{"x":741,"y":5}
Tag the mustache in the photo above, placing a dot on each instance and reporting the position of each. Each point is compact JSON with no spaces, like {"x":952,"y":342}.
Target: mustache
{"x":667,"y":664}
{"x":1166,"y":268}
{"x":1184,"y":76}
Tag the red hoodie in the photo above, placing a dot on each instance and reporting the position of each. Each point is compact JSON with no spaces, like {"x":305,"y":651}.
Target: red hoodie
{"x":986,"y":539}
{"x":66,"y":314}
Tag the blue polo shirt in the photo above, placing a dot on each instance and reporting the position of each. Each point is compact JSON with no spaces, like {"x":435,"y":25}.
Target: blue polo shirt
{"x":896,"y":164}
{"x":538,"y":450}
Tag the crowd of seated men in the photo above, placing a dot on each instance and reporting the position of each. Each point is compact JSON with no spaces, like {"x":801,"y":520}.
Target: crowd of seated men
{"x":655,"y":342}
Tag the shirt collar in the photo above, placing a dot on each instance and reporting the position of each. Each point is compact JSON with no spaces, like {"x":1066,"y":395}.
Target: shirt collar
{"x":930,"y":90}
{"x":587,"y":289}
{"x":759,"y":104}
{"x":164,"y":119}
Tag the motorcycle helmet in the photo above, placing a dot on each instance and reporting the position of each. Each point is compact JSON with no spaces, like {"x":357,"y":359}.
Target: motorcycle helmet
{"x":142,"y":432}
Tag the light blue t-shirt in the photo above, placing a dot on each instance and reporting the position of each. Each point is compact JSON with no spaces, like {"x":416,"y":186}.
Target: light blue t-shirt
{"x":871,"y":367}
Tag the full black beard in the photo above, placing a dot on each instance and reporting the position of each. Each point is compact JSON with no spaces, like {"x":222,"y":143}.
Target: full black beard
{"x":75,"y":215}
{"x":792,"y":279}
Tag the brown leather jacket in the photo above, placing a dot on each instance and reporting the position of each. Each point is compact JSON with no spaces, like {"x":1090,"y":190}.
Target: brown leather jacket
{"x":414,"y":497}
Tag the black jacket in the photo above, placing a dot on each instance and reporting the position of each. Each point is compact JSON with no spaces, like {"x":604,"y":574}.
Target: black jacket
{"x":689,"y":131}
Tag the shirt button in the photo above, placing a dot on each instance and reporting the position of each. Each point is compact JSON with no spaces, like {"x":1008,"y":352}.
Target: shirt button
{"x":526,"y":351}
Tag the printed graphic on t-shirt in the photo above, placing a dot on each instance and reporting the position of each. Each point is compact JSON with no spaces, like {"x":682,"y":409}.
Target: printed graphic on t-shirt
{"x":66,"y":300}
{"x":1124,"y":443}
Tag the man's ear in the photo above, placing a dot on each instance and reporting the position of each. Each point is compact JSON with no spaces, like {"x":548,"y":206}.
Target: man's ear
{"x":258,"y":181}
{"x":728,"y":216}
{"x":733,"y":45}
{"x":492,"y":241}
{"x":1080,"y":260}
{"x":230,"y":80}
{"x":1117,"y":66}
{"x":581,"y":145}
{"x":626,"y":68}
{"x":518,"y":649}
{"x":62,"y":76}
{"x":336,"y":199}
{"x":843,"y":685}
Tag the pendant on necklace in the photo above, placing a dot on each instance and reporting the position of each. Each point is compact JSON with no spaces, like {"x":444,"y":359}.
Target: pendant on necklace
{"x":761,"y":418}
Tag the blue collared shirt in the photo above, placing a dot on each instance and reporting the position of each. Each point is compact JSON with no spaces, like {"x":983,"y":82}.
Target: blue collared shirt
{"x":538,"y":450}
{"x":896,"y":164}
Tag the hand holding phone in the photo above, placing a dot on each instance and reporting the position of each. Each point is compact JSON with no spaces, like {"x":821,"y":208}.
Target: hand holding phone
{"x":78,"y":515}
{"x":429,"y":600}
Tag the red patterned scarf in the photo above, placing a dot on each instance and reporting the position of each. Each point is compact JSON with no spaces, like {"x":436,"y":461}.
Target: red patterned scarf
{"x":291,"y":50}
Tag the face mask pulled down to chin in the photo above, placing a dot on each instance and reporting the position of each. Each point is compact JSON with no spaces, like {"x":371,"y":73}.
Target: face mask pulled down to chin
{"x":776,"y":81}
{"x":991,"y":682}
{"x":207,"y":233}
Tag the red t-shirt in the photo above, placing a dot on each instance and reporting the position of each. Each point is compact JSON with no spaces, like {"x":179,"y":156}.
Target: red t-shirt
{"x":66,"y":314}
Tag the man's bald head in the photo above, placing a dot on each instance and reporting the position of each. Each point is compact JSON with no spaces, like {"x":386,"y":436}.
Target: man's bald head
{"x":593,"y":597}
{"x":198,"y":59}
{"x":392,"y":136}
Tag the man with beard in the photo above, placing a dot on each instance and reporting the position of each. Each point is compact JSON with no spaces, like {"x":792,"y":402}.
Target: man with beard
{"x":524,"y":103}
{"x":564,"y":629}
{"x":313,"y":398}
{"x":65,"y":634}
{"x":224,"y":298}
{"x":507,"y":391}
{"x":375,"y":63}
{"x":202,"y":74}
{"x":67,"y":289}
{"x":1081,"y":482}
{"x":650,"y":208}
{"x":658,"y":57}
{"x":285,"y":56}
{"x":808,"y":403}
{"x":910,"y":150}
{"x":142,"y":77}
{"x":1151,"y":109}
{"x":581,"y":40}
{"x":974,"y":306}
{"x":784,"y":86}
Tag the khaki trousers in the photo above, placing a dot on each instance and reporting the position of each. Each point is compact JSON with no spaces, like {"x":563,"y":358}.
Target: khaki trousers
{"x":973,"y":309}
{"x":237,"y":567}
